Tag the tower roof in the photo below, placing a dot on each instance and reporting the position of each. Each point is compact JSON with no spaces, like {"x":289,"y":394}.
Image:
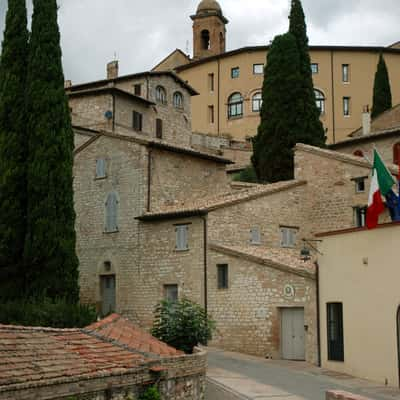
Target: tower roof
{"x":209,"y":5}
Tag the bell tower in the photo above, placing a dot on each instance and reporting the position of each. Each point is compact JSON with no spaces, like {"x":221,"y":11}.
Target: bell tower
{"x":209,"y":30}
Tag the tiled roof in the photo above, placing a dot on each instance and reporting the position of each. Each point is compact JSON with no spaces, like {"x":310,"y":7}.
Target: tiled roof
{"x":371,"y":136}
{"x":202,"y":206}
{"x":123,"y":332}
{"x":41,"y":356}
{"x":285,"y":259}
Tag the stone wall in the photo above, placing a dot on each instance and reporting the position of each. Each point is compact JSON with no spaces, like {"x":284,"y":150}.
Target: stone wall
{"x":248,"y":313}
{"x":342,"y":395}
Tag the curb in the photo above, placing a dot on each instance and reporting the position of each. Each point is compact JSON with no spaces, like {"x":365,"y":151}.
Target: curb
{"x":226,"y":389}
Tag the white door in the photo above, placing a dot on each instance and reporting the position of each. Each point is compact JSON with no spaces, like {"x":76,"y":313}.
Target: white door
{"x":292,"y":334}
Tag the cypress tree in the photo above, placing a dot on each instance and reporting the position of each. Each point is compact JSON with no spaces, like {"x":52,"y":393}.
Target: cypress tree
{"x":382,"y":92}
{"x":280,"y":112}
{"x":13,"y":148}
{"x":311,"y":130}
{"x":50,"y":242}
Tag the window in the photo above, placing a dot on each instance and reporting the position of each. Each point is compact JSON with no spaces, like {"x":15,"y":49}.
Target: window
{"x":320,"y":100}
{"x":346,"y":106}
{"x":235,"y":72}
{"x":171,"y":292}
{"x":111,"y":212}
{"x":288,"y":236}
{"x":335,"y":331}
{"x":181,"y":232}
{"x":314,"y":68}
{"x":222,"y":272}
{"x":235,"y":105}
{"x":211,"y":82}
{"x":255,"y":235}
{"x":257,"y":102}
{"x":345,"y":73}
{"x":161,"y":95}
{"x":159,"y":128}
{"x":138,"y":89}
{"x":258,"y":69}
{"x":358,"y":153}
{"x":178,"y":100}
{"x":360,"y":184}
{"x":396,"y":153}
{"x":360,"y":215}
{"x":137,"y":121}
{"x":211,"y":114}
{"x":101,"y":168}
{"x":205,"y":39}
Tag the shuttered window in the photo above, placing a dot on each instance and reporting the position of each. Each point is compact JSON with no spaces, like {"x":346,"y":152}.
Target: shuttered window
{"x":137,"y":121}
{"x":138,"y":89}
{"x":222,"y":271}
{"x":159,"y":128}
{"x":181,"y":232}
{"x":288,"y":236}
{"x":171,"y":292}
{"x":101,"y":168}
{"x":111,"y":211}
{"x":255,"y":235}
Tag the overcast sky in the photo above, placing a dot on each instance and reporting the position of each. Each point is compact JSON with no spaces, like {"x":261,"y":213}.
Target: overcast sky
{"x":141,"y":33}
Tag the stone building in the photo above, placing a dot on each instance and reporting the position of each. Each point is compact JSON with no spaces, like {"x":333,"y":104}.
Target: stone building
{"x":108,"y":360}
{"x":230,"y":82}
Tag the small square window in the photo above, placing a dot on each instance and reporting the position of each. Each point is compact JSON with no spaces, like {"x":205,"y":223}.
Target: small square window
{"x":360,"y":216}
{"x":360,"y":184}
{"x":235,"y":72}
{"x":314,"y":68}
{"x":138,"y":89}
{"x":171,"y":292}
{"x":137,"y":121}
{"x":255,"y":236}
{"x":222,"y":270}
{"x":100,"y":168}
{"x":288,"y":236}
{"x":258,"y":69}
{"x":181,"y":232}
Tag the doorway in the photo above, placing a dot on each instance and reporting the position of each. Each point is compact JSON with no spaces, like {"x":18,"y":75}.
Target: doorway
{"x":292,"y":334}
{"x":107,"y":288}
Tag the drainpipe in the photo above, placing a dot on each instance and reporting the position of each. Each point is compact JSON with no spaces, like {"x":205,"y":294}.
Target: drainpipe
{"x":318,"y":317}
{"x":113,"y":113}
{"x":148,"y":180}
{"x":333,"y":100}
{"x":218,"y":96}
{"x":205,"y":229}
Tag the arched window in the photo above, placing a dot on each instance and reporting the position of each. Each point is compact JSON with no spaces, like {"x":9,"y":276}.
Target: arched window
{"x":178,"y":100}
{"x":257,"y":102}
{"x":111,"y":212}
{"x":205,"y":39}
{"x":320,"y":100}
{"x":235,"y":105}
{"x":396,"y":153}
{"x":161,"y":95}
{"x":358,"y":153}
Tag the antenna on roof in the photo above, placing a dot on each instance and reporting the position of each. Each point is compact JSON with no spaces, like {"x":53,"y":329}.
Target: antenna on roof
{"x":187,"y":46}
{"x":115,"y":56}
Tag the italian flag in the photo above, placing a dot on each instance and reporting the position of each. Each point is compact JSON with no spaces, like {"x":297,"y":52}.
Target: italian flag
{"x":381,"y":184}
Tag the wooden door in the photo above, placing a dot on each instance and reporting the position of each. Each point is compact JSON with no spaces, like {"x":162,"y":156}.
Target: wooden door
{"x":292,"y":334}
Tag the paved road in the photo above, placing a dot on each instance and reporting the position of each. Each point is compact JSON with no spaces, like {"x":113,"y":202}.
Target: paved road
{"x":234,"y":375}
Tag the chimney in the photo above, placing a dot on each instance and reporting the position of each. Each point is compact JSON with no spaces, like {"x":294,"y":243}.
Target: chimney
{"x":67,"y":84}
{"x":366,"y":121}
{"x":112,"y":70}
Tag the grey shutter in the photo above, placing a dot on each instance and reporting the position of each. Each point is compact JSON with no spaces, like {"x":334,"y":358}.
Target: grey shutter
{"x":182,"y":237}
{"x":100,"y":168}
{"x":255,"y":236}
{"x":112,"y":213}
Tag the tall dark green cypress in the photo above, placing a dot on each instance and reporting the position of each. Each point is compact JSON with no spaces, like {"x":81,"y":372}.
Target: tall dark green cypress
{"x":382,"y":92}
{"x":311,"y":130}
{"x":50,"y":242}
{"x":280,"y":112}
{"x":13,"y":148}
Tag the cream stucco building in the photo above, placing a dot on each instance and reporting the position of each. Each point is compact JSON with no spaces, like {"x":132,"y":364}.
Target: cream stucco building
{"x":229,"y":82}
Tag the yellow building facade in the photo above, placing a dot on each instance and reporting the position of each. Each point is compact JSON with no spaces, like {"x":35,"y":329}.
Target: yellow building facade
{"x":230,"y":82}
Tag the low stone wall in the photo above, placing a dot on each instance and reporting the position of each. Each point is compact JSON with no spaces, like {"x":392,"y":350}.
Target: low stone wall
{"x":341,"y":395}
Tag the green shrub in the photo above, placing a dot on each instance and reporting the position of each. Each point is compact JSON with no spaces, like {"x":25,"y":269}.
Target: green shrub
{"x":247,"y":175}
{"x":151,"y":393}
{"x":182,"y":324}
{"x":47,"y":313}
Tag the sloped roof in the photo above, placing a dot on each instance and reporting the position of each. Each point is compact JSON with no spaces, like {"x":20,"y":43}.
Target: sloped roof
{"x":205,"y":205}
{"x":283,"y":259}
{"x":42,"y":356}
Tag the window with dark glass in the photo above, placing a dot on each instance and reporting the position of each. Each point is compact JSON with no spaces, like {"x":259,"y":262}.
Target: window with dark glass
{"x":161,"y":95}
{"x":358,"y":153}
{"x":159,"y":128}
{"x":360,"y":216}
{"x":257,"y":102}
{"x":178,"y":100}
{"x":137,"y":121}
{"x":211,"y":82}
{"x":222,"y":271}
{"x":138,"y":89}
{"x":320,"y":101}
{"x":360,"y":184}
{"x":235,"y":72}
{"x":335,"y":331}
{"x":171,"y":292}
{"x":211,"y":114}
{"x":314,"y":68}
{"x":235,"y":105}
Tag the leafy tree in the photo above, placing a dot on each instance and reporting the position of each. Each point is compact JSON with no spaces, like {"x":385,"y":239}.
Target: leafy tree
{"x":13,"y":148}
{"x":280,"y":112}
{"x":182,"y":324}
{"x":52,"y":265}
{"x":382,"y":92}
{"x":151,"y":393}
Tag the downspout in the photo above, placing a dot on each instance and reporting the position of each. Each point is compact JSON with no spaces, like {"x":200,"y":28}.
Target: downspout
{"x":205,"y":229}
{"x":113,"y":113}
{"x":218,"y":96}
{"x":333,"y":100}
{"x":147,"y":88}
{"x":318,"y":317}
{"x":148,"y":180}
